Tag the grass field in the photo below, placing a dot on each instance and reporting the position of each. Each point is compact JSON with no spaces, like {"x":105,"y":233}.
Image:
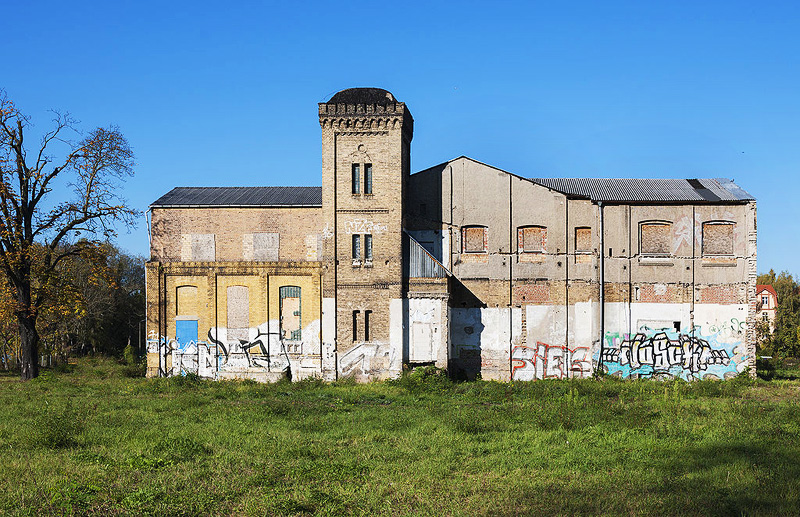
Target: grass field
{"x":92,"y":441}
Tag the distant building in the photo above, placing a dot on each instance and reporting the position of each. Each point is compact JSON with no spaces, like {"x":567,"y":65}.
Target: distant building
{"x":461,"y":265}
{"x":766,"y":305}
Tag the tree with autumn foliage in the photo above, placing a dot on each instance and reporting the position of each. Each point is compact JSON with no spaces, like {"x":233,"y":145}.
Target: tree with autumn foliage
{"x":48,"y":203}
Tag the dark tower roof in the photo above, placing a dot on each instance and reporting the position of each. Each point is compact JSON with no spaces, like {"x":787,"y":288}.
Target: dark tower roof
{"x":363,"y":96}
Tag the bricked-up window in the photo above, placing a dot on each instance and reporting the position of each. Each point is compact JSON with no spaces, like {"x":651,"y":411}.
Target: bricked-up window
{"x":291,"y":320}
{"x":367,"y":178}
{"x":474,"y":239}
{"x":367,"y":247}
{"x":356,"y":177}
{"x":583,"y":240}
{"x":356,"y":247}
{"x":656,"y":239}
{"x":532,"y":239}
{"x":718,"y":238}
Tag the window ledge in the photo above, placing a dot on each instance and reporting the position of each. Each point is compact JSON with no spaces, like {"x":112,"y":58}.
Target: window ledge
{"x":727,"y":262}
{"x":656,"y":261}
{"x":367,"y":263}
{"x":356,"y":263}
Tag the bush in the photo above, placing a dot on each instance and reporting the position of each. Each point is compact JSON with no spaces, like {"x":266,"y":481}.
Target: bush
{"x":56,"y":426}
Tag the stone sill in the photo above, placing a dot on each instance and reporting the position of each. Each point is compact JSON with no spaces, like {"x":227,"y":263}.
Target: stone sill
{"x":656,"y":261}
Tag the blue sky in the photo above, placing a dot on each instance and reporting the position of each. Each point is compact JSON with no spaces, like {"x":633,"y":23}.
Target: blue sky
{"x":217,"y":94}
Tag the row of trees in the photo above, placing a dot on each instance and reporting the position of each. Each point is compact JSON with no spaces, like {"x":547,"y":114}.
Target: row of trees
{"x":784,"y":342}
{"x":96,"y":305}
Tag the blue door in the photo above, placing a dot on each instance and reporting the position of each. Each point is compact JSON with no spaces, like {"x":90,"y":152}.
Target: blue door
{"x":185,"y":331}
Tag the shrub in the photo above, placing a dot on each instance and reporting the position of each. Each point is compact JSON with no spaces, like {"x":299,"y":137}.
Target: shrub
{"x":57,"y":426}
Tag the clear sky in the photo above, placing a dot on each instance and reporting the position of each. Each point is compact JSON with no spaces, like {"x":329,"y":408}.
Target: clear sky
{"x":226,"y":93}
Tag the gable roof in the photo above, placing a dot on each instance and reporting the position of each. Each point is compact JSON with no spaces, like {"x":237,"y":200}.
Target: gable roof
{"x":240,"y":197}
{"x":632,"y":190}
{"x":767,"y":288}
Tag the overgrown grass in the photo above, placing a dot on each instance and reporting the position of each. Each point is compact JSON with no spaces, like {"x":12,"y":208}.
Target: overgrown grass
{"x":91,"y":440}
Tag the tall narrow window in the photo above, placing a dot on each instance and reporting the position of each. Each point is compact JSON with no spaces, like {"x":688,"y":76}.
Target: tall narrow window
{"x":367,"y":178}
{"x":355,"y":325}
{"x":367,"y":247}
{"x":367,"y":314}
{"x":291,"y":321}
{"x":356,"y":179}
{"x":718,"y":238}
{"x":656,"y":239}
{"x":356,"y":247}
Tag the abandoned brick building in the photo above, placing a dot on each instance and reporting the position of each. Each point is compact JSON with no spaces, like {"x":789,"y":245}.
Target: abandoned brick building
{"x":461,"y":265}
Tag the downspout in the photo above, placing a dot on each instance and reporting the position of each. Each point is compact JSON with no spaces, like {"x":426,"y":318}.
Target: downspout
{"x":602,"y":288}
{"x":511,"y":256}
{"x":335,"y":260}
{"x":694,"y":260}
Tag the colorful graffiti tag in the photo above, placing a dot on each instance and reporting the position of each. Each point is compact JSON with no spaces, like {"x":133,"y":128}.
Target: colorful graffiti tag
{"x":549,"y":362}
{"x":668,"y":353}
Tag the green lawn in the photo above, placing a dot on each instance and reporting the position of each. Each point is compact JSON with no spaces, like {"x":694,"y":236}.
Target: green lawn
{"x":94,"y":441}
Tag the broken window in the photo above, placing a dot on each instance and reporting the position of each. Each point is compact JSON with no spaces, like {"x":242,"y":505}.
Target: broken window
{"x":291,"y":320}
{"x":718,"y":238}
{"x":474,"y":239}
{"x":656,"y":239}
{"x":532,"y":239}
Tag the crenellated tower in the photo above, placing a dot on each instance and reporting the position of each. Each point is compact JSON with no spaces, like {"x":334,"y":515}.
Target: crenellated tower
{"x":366,"y":151}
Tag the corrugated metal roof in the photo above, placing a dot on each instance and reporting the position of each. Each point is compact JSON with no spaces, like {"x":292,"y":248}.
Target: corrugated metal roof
{"x":241,"y":196}
{"x":647,"y":190}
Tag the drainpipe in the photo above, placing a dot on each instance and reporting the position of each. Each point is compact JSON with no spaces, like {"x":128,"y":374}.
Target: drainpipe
{"x":602,"y":287}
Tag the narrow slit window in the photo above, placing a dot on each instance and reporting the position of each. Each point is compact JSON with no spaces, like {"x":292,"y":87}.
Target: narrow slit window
{"x":367,"y":178}
{"x":356,"y":247}
{"x":356,"y":183}
{"x":367,"y":314}
{"x":355,"y":326}
{"x":367,"y":247}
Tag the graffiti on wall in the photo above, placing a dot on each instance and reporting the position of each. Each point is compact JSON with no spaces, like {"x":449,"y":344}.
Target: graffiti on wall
{"x":549,"y":362}
{"x":369,"y":359}
{"x":669,"y":353}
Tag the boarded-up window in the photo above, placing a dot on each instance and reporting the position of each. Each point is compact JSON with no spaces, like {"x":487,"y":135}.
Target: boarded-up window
{"x":290,"y":313}
{"x":656,"y":239}
{"x":474,"y":239}
{"x":718,"y":238}
{"x":532,"y":239}
{"x":238,"y":313}
{"x":186,"y":300}
{"x":583,"y":240}
{"x":198,"y":247}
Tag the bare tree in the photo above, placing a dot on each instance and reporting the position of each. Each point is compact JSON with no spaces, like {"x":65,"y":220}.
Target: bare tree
{"x":36,"y":232}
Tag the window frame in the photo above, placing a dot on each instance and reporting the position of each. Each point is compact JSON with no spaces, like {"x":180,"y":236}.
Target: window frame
{"x":465,"y":229}
{"x":521,"y":239}
{"x":356,"y":248}
{"x":650,"y":254}
{"x":367,"y":179}
{"x":355,"y":179}
{"x":367,"y":247}
{"x":732,"y":225}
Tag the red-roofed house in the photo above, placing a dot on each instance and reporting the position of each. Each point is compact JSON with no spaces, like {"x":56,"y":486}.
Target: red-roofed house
{"x":767,"y":304}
